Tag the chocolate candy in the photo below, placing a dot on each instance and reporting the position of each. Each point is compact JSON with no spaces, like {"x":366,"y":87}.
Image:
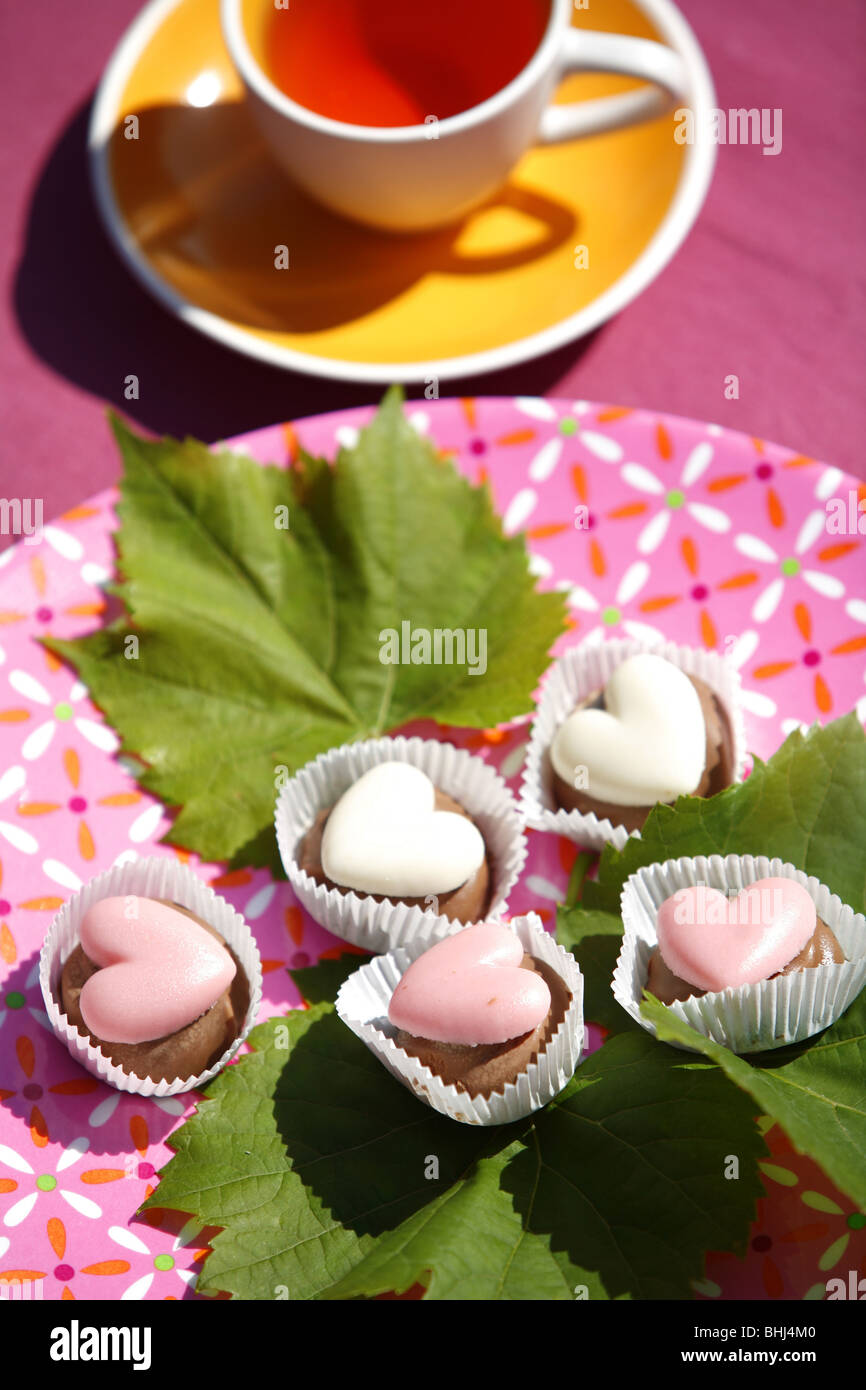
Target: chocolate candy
{"x":184,"y":1053}
{"x":466,"y":903}
{"x":481,"y":1070}
{"x":822,"y":948}
{"x":718,"y":767}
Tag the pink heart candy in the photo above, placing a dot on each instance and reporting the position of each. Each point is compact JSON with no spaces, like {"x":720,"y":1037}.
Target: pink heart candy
{"x":716,"y":942}
{"x":159,"y":970}
{"x":470,"y":989}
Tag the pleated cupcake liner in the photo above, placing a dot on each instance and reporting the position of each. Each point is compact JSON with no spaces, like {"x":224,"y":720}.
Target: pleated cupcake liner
{"x":152,"y":877}
{"x":363,"y":1003}
{"x":748,"y":1018}
{"x":582,"y":671}
{"x":357,"y":917}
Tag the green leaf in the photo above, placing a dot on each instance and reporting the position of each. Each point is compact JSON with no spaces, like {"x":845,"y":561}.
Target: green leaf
{"x":594,"y":939}
{"x":807,"y":806}
{"x":618,"y":1186}
{"x":466,"y":1243}
{"x":258,"y":647}
{"x":261,"y":852}
{"x":634,"y":1154}
{"x":815,"y":1089}
{"x":305,"y":1151}
{"x":317,"y":1165}
{"x":232,"y":1170}
{"x":320,"y":983}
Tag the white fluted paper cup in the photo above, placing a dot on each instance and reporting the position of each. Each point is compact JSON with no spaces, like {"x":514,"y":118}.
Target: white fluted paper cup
{"x":748,"y":1018}
{"x":582,"y":671}
{"x":147,"y":878}
{"x":363,"y":1003}
{"x":357,"y":917}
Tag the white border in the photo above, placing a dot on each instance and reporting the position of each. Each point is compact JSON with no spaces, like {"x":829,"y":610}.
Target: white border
{"x":699,"y":163}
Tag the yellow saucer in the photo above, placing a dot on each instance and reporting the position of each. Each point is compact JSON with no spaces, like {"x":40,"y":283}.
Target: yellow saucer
{"x":197,"y":207}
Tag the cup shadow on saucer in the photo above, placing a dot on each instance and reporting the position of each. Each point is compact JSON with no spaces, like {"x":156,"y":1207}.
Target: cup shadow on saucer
{"x":85,"y":315}
{"x":207,"y":204}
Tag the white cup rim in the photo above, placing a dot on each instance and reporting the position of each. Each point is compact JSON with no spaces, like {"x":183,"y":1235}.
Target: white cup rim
{"x":267,"y":91}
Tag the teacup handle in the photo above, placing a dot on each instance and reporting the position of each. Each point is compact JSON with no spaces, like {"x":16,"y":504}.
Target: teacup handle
{"x":587,"y":51}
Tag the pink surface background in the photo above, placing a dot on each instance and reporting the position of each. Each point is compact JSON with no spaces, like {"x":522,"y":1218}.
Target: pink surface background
{"x":689,"y":531}
{"x":769,"y":284}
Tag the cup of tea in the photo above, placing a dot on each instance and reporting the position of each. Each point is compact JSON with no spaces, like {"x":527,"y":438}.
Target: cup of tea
{"x":405,"y":115}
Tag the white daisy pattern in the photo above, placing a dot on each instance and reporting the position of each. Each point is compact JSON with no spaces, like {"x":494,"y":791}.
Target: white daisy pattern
{"x":788,"y":567}
{"x":59,"y":712}
{"x":675,"y":499}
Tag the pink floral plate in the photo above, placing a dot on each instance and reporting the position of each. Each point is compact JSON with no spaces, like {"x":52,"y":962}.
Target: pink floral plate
{"x":653,"y":525}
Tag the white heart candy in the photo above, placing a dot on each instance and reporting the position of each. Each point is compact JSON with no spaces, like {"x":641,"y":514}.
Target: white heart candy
{"x":648,"y":745}
{"x":384,"y":836}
